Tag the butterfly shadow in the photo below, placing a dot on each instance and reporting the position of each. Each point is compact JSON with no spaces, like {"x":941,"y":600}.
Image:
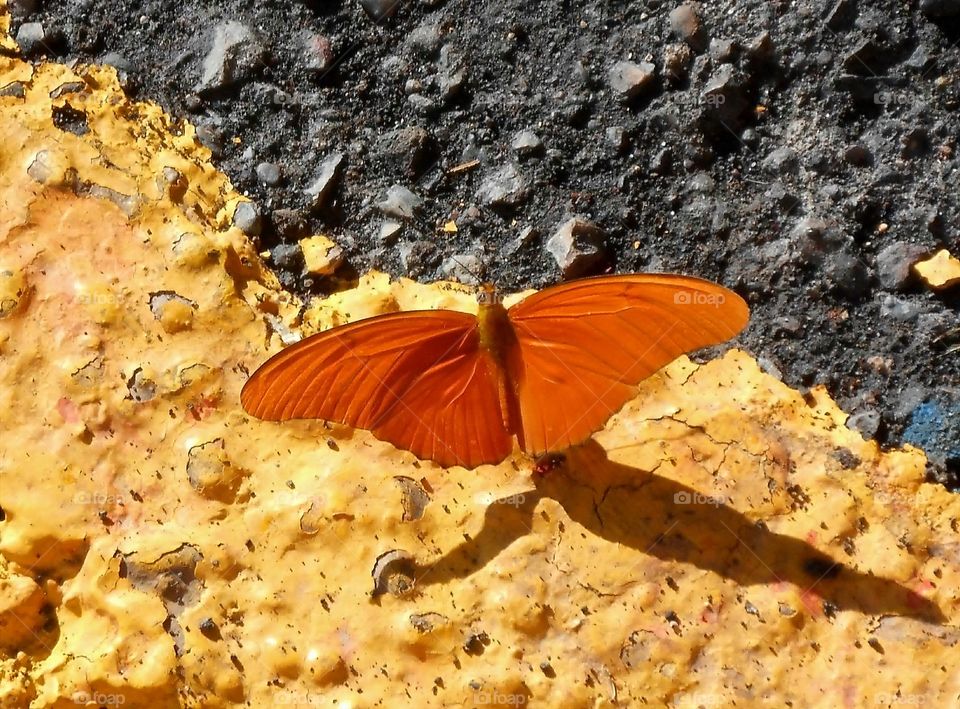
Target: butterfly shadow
{"x":665,"y":519}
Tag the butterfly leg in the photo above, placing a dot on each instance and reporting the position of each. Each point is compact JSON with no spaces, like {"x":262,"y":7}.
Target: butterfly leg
{"x":548,"y":463}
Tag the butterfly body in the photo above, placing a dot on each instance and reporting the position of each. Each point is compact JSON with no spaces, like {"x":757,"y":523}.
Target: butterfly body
{"x":457,"y":388}
{"x":499,"y":339}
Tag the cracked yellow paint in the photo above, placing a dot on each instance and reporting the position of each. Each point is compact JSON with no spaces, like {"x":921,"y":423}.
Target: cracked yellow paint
{"x":158,"y":548}
{"x":7,"y":45}
{"x":940,"y":271}
{"x":321,"y":256}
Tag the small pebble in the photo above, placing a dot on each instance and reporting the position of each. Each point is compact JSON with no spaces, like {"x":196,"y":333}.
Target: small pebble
{"x":629,"y":80}
{"x":390,"y":230}
{"x":761,"y":47}
{"x":451,"y":73}
{"x":527,"y":144}
{"x":724,"y":99}
{"x":211,"y":138}
{"x":506,"y":187}
{"x":317,"y":53}
{"x":210,"y":630}
{"x":268,"y":173}
{"x":685,"y":24}
{"x":412,"y":148}
{"x":935,"y":427}
{"x":782,"y":161}
{"x":32,"y":38}
{"x":425,"y":40}
{"x":787,"y":324}
{"x":578,"y":247}
{"x":321,"y":256}
{"x":779,"y":195}
{"x":69,"y":87}
{"x":866,"y":422}
{"x":858,"y":155}
{"x":677,"y":59}
{"x":247,"y":218}
{"x":832,"y":191}
{"x":894,"y":262}
{"x":14,"y":88}
{"x":236,"y":53}
{"x":321,"y":190}
{"x":722,"y":50}
{"x":863,"y":60}
{"x":919,"y":60}
{"x":526,"y":237}
{"x":909,"y":399}
{"x":463,"y":268}
{"x":287,"y":257}
{"x":813,"y":237}
{"x":118,"y":62}
{"x":400,"y":202}
{"x":423,"y":105}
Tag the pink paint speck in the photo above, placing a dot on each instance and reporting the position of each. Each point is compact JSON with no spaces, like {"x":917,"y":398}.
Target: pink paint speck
{"x":68,"y":410}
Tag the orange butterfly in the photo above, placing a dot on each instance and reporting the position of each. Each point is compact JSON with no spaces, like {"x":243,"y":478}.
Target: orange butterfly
{"x":455,"y":388}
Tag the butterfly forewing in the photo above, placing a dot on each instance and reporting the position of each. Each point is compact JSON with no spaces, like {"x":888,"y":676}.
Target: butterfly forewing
{"x":582,"y":347}
{"x":416,"y":379}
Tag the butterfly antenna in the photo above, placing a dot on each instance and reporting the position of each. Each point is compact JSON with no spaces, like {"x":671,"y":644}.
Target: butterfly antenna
{"x":476,"y":274}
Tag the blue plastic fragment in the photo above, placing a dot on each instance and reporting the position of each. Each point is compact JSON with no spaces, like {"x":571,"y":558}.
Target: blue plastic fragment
{"x":936,"y":430}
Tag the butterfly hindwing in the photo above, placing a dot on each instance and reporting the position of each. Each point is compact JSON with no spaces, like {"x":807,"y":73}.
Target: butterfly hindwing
{"x":416,"y":379}
{"x":582,"y":347}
